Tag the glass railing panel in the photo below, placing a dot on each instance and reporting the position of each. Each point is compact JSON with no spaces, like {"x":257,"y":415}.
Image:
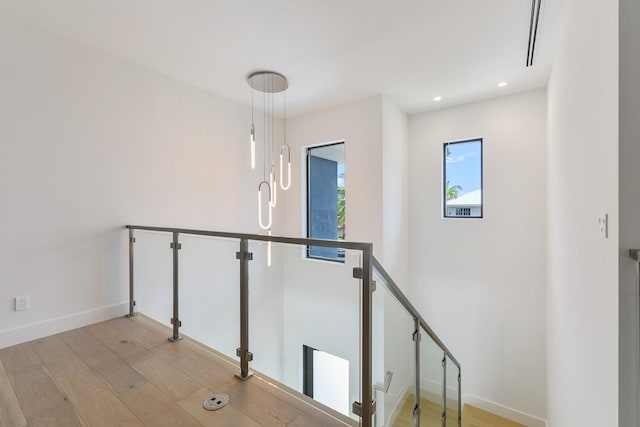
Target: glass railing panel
{"x":266,"y":307}
{"x":452,"y":394}
{"x":431,"y":380}
{"x":393,"y":352}
{"x":153,"y":275}
{"x":304,"y":317}
{"x":210,"y":292}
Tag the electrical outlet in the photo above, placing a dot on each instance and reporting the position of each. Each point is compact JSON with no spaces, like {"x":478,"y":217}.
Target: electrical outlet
{"x":22,"y":303}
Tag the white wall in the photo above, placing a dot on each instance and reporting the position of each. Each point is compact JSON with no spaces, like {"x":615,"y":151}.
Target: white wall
{"x":480,"y":283}
{"x":629,"y":176}
{"x":89,"y":144}
{"x":582,"y":334}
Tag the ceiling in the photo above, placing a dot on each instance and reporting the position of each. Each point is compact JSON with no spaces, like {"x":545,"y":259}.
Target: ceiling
{"x":331,"y":51}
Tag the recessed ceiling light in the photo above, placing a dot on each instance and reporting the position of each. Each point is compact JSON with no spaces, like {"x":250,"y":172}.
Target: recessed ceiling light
{"x":502,"y":84}
{"x":437,"y":98}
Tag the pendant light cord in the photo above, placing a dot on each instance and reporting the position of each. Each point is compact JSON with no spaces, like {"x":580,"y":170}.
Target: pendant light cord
{"x":264,"y":140}
{"x":271,"y":120}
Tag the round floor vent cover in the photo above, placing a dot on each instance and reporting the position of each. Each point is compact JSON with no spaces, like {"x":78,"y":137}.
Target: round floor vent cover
{"x":216,"y":401}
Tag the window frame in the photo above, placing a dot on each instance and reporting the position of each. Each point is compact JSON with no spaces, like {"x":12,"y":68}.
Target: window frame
{"x":308,"y":255}
{"x":444,"y":177}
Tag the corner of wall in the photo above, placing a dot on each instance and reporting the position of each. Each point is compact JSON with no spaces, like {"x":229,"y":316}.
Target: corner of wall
{"x":395,"y":190}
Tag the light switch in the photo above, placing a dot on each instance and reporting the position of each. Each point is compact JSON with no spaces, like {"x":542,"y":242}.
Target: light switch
{"x":603,"y":220}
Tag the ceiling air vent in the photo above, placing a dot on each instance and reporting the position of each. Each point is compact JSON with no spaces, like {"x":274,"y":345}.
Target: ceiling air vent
{"x":533,"y":30}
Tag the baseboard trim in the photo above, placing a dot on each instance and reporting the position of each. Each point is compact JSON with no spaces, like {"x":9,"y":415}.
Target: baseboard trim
{"x":48,"y":327}
{"x":504,"y":411}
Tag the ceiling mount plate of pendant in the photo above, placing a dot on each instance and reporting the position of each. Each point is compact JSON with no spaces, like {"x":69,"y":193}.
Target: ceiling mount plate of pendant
{"x":268,"y":81}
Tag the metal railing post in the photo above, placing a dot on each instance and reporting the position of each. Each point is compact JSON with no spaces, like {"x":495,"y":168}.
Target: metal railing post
{"x":459,"y":397}
{"x":444,"y":389}
{"x":366,"y":391}
{"x":243,"y":352}
{"x":132,"y":301}
{"x":175,"y":246}
{"x":417,"y":408}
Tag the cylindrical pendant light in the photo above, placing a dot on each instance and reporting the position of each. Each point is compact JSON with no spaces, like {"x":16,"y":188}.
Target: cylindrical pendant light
{"x":267,"y":225}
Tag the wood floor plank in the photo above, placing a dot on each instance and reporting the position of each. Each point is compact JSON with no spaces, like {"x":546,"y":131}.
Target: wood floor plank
{"x":228,"y":416}
{"x":146,"y":332}
{"x":42,"y":402}
{"x":65,"y":416}
{"x":120,"y":343}
{"x":207,"y":371}
{"x":430,"y":414}
{"x":303,"y":420}
{"x":93,"y":352}
{"x":57,"y":356}
{"x":167,"y":378}
{"x":258,"y":405}
{"x":97,"y":404}
{"x":19,"y":357}
{"x":262,"y":408}
{"x":308,"y":415}
{"x":155,"y":409}
{"x":114,"y":370}
{"x":10,"y":411}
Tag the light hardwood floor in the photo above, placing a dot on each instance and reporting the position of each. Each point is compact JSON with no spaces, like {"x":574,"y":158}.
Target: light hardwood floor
{"x":475,"y":417}
{"x":430,"y":416}
{"x":124,"y":372}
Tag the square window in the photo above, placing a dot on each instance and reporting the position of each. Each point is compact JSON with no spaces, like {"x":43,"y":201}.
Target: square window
{"x":462,"y":180}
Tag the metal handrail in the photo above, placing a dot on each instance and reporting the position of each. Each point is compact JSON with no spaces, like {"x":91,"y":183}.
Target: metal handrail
{"x":402,"y":299}
{"x":343,"y":244}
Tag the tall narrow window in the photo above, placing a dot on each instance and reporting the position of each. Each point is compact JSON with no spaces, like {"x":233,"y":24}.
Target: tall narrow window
{"x":462,"y":181}
{"x":326,"y":198}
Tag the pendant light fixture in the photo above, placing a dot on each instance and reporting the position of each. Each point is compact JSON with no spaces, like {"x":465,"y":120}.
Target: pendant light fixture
{"x":269,"y":84}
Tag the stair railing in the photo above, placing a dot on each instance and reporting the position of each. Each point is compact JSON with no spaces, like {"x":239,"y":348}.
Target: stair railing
{"x":421,"y":324}
{"x":369,"y":266}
